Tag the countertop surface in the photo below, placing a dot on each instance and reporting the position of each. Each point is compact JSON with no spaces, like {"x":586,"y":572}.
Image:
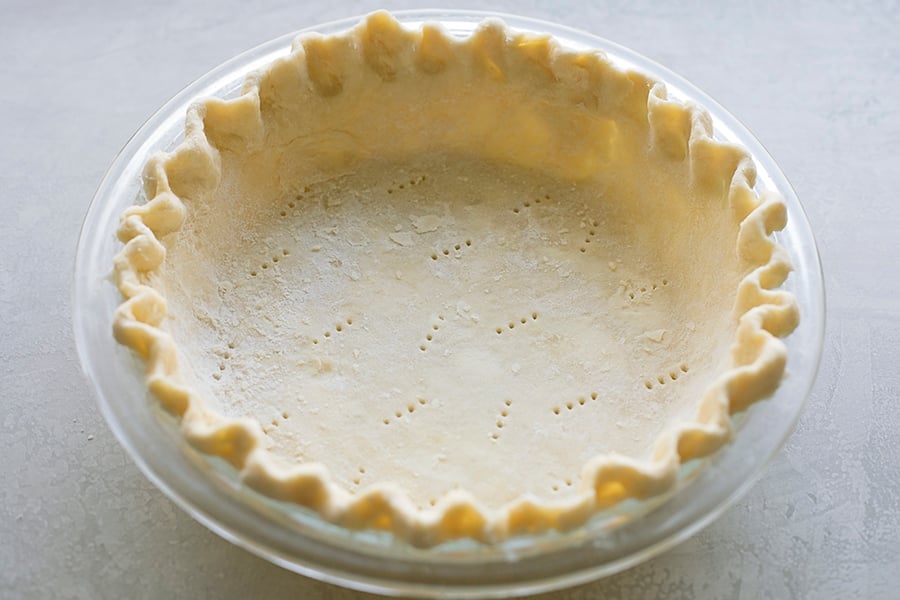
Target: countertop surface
{"x":818,"y":83}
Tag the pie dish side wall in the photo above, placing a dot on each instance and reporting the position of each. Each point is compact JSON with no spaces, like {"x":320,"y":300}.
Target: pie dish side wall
{"x":193,"y":169}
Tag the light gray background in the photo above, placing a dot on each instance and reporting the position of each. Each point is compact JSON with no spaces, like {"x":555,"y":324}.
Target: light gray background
{"x":817,"y":82}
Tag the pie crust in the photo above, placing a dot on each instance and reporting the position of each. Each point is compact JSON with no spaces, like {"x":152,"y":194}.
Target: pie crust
{"x":453,"y":288}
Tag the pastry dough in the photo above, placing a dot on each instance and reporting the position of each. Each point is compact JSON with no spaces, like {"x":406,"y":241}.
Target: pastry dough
{"x":453,"y":288}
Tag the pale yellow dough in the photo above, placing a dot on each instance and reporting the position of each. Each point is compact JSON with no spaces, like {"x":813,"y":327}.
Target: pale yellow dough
{"x":453,"y":288}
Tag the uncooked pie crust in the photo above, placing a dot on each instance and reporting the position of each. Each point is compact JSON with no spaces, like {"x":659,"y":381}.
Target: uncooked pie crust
{"x":453,"y":288}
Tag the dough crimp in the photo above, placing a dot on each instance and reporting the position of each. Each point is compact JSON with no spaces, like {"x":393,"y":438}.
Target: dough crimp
{"x":381,"y":49}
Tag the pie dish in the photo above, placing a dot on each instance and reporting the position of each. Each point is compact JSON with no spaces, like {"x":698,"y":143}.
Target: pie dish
{"x":295,"y":538}
{"x":454,"y":288}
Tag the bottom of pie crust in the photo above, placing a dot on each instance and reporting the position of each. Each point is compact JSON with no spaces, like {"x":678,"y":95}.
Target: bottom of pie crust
{"x":453,"y":323}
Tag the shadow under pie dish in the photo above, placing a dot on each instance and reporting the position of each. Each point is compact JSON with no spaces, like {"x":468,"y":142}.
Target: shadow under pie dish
{"x":454,"y":288}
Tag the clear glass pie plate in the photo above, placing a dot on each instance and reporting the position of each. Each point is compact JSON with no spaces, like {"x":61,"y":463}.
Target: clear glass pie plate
{"x":297,"y":539}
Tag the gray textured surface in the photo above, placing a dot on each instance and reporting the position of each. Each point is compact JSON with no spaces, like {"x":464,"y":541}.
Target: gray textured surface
{"x":818,"y":84}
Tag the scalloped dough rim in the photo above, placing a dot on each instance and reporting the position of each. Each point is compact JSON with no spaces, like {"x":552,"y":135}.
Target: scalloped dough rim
{"x":681,"y":130}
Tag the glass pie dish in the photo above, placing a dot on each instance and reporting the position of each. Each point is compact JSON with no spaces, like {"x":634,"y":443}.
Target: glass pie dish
{"x":211,"y":491}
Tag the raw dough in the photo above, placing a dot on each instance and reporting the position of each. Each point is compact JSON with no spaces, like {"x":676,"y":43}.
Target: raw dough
{"x":454,"y":288}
